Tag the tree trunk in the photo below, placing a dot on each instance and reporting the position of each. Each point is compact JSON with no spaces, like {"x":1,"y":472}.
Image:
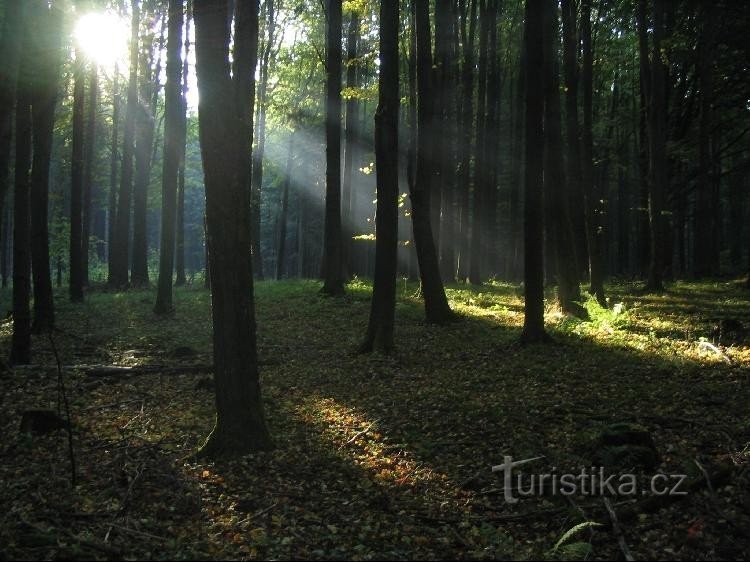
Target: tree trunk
{"x":591,"y":188}
{"x":351,"y":140}
{"x":89,"y":150}
{"x":481,"y":171}
{"x":657,"y":155}
{"x":468,"y":30}
{"x":533,"y":327}
{"x":437,"y":310}
{"x":144,"y":149}
{"x":46,"y":61}
{"x":333,"y":280}
{"x":256,"y":199}
{"x":382,"y":310}
{"x":240,"y":422}
{"x":556,"y":184}
{"x":283,"y":214}
{"x":118,"y":273}
{"x":75,"y":281}
{"x":180,"y":233}
{"x":573,"y":134}
{"x":10,"y":54}
{"x":114,"y":162}
{"x":20,"y":351}
{"x":174,"y":115}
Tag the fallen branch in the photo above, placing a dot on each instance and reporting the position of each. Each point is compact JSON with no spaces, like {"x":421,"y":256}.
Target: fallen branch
{"x":618,"y":531}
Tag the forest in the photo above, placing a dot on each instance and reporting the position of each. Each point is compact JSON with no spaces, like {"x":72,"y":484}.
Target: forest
{"x":374,"y":279}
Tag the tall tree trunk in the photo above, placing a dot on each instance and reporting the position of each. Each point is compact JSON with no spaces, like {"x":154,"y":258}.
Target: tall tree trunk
{"x":75,"y":282}
{"x":351,"y":139}
{"x":144,"y":149}
{"x":180,"y":234}
{"x":513,"y":269}
{"x":333,"y":280}
{"x":644,"y":229}
{"x":573,"y":134}
{"x":382,"y":310}
{"x":119,"y":273}
{"x":174,"y":115}
{"x":283,"y":214}
{"x":89,"y":150}
{"x":657,"y":155}
{"x":256,"y":187}
{"x":464,"y":179}
{"x":20,"y":350}
{"x":114,"y":162}
{"x":436,"y":305}
{"x":240,"y":422}
{"x":10,"y":54}
{"x":533,"y":327}
{"x":591,"y":188}
{"x":490,"y":239}
{"x":481,"y":171}
{"x":46,"y":61}
{"x":556,"y":184}
{"x":705,"y":213}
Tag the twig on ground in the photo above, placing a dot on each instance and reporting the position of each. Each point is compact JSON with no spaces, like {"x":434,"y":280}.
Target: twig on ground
{"x":618,"y":531}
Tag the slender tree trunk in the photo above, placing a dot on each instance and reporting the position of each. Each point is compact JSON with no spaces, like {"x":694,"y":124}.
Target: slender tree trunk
{"x":76,"y":182}
{"x":382,"y":310}
{"x":180,"y":234}
{"x":573,"y":134}
{"x":591,"y":188}
{"x":464,"y":180}
{"x":333,"y":280}
{"x":644,"y":229}
{"x":533,"y":328}
{"x":283,"y":214}
{"x":481,"y":171}
{"x":657,"y":155}
{"x":556,"y":184}
{"x":10,"y":54}
{"x":705,"y":211}
{"x":256,"y":199}
{"x":240,"y":422}
{"x":175,"y":111}
{"x":20,"y":351}
{"x":351,"y":140}
{"x":490,"y":239}
{"x":437,"y":309}
{"x":144,"y":149}
{"x":89,"y":150}
{"x":46,"y":61}
{"x":513,"y":270}
{"x":114,"y":163}
{"x":119,"y":273}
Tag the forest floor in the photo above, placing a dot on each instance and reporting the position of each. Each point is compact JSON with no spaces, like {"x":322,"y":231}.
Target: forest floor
{"x":380,"y":457}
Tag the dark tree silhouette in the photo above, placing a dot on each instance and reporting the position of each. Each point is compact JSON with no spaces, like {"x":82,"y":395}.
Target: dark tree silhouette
{"x":240,"y":423}
{"x":76,"y":181}
{"x":174,"y":110}
{"x":382,"y":310}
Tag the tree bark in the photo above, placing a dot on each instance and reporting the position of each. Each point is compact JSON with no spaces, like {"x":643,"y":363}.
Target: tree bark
{"x":89,"y":150}
{"x":240,"y":422}
{"x":351,"y":140}
{"x":657,"y":155}
{"x":591,"y":188}
{"x":333,"y":279}
{"x":114,"y":162}
{"x":533,"y":327}
{"x":556,"y":184}
{"x":46,"y":61}
{"x":20,"y":351}
{"x":119,"y":273}
{"x":10,"y":54}
{"x":174,"y":110}
{"x":382,"y":310}
{"x":75,"y":282}
{"x":180,"y":279}
{"x":437,"y":310}
{"x":283,"y":214}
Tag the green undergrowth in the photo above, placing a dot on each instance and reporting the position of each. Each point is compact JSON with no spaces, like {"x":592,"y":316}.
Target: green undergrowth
{"x":376,"y":457}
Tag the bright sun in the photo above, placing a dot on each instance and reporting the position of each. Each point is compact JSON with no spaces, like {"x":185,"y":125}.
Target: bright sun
{"x":103,"y":37}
